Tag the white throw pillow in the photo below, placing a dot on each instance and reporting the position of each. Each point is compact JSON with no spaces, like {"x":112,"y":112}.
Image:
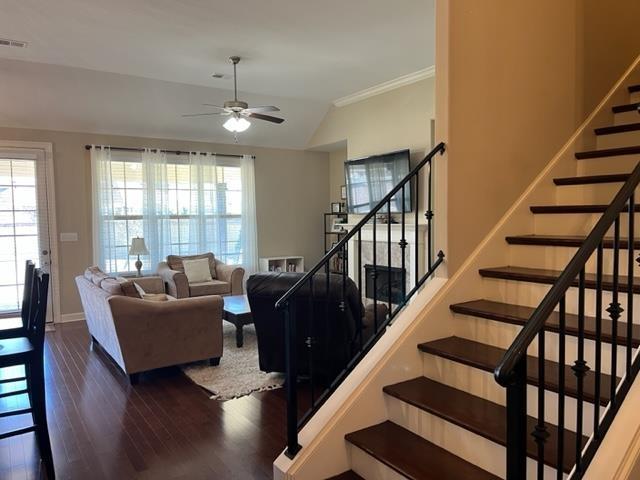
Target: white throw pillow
{"x":197,"y":271}
{"x":156,"y":297}
{"x":140,"y":290}
{"x":153,"y":297}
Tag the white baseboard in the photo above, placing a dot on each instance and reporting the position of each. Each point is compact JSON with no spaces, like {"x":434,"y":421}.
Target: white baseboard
{"x":71,"y":317}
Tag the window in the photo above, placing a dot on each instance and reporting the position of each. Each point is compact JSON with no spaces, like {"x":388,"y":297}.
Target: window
{"x":18,"y":228}
{"x":181,"y":204}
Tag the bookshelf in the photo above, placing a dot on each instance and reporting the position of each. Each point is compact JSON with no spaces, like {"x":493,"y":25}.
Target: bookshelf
{"x":291,"y":263}
{"x":331,"y":236}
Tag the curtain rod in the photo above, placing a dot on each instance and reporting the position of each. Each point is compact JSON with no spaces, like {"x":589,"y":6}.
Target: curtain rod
{"x":176,"y":152}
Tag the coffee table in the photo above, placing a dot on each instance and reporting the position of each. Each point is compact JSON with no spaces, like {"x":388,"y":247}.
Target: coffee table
{"x":236,"y":310}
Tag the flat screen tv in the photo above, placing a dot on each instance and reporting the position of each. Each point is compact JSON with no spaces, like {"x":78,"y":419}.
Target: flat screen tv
{"x":369,"y":179}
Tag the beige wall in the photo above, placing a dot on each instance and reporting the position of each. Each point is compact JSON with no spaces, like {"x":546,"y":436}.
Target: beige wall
{"x":291,"y":194}
{"x":611,"y":41}
{"x":383,"y":123}
{"x":390,"y":121}
{"x":336,"y":174}
{"x":513,"y":82}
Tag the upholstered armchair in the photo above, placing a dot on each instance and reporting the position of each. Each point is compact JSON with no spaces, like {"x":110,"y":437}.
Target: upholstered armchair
{"x":225,"y":279}
{"x":338,"y":327}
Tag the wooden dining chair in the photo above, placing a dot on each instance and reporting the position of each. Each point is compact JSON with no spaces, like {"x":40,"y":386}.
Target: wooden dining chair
{"x":21,"y":331}
{"x":28,"y":350}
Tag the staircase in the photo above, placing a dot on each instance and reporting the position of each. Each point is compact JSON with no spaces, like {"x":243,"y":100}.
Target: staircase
{"x":454,"y":422}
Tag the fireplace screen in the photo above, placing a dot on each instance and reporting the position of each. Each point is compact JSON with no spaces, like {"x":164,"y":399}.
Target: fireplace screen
{"x":388,"y":279}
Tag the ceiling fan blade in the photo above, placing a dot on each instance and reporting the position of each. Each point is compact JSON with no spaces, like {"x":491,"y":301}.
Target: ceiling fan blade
{"x":202,"y":114}
{"x":214,"y":106}
{"x":261,"y":109}
{"x":268,"y":118}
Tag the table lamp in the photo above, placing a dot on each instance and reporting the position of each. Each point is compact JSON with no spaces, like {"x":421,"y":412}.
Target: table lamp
{"x":138,"y":248}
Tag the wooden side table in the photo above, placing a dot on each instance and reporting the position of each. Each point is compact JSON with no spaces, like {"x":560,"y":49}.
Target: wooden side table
{"x":236,"y":310}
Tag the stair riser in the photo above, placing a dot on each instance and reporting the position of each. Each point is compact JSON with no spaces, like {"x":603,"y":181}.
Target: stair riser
{"x":626,"y":117}
{"x":501,"y":335}
{"x":615,"y":140}
{"x":369,"y":467}
{"x":557,"y":258}
{"x":474,"y":448}
{"x":483,"y":384}
{"x":579,"y":224}
{"x":531,"y":294}
{"x":596,"y":194}
{"x":634,"y":97}
{"x":607,"y":165}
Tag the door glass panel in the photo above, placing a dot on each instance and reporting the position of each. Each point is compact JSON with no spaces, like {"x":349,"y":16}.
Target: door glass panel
{"x":19,"y":230}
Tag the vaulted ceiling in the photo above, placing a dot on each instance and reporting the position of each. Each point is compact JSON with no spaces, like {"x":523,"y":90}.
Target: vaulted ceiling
{"x":132,"y":67}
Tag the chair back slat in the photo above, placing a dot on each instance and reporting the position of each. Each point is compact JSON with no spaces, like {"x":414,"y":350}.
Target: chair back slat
{"x":38,"y":309}
{"x":26,"y":293}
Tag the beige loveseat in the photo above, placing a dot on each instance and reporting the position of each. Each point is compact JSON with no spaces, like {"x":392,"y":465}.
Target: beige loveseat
{"x":142,"y":335}
{"x":226,"y":279}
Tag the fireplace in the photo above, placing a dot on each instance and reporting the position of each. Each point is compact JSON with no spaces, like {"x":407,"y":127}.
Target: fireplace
{"x":393,"y":277}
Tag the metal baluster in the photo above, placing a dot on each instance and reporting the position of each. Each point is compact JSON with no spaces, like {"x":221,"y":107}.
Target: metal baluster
{"x":389,"y":255}
{"x":360,"y":279}
{"x":374,"y":273}
{"x":291,"y":373}
{"x":343,"y":300}
{"x":327,"y":279}
{"x":580,"y":369}
{"x":561,"y":383}
{"x":429,"y":215}
{"x":416,"y":249}
{"x":310,"y":341}
{"x":630,"y":268}
{"x":598,"y":359}
{"x":615,"y":310}
{"x":540,"y":433}
{"x":517,"y":423}
{"x":403,"y":246}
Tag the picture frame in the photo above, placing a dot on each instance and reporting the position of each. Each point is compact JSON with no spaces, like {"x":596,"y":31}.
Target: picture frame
{"x":335,"y":207}
{"x":343,"y":192}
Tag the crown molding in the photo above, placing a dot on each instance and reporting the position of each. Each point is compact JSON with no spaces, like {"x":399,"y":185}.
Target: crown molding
{"x":386,"y":86}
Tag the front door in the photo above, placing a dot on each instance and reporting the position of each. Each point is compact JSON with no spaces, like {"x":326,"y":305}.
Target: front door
{"x":24,"y":226}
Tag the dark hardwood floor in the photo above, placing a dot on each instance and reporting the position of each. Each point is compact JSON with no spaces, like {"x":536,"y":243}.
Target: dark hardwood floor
{"x":163,"y":428}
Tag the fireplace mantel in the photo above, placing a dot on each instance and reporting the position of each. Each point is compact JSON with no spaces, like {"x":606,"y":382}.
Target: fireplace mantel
{"x":415,"y":247}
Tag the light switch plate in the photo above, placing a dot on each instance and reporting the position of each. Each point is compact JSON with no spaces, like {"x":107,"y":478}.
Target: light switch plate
{"x":69,"y":237}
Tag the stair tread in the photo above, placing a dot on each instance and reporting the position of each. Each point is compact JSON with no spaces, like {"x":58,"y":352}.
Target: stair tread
{"x":563,"y":241}
{"x":480,"y":416}
{"x":413,"y":456}
{"x":547,"y":276}
{"x":627,"y":107}
{"x":487,"y":357}
{"x":627,"y":127}
{"x":590,"y":179}
{"x":520,"y":315}
{"x":634,"y":88}
{"x":349,"y":475}
{"x":608,"y":152}
{"x":573,"y":208}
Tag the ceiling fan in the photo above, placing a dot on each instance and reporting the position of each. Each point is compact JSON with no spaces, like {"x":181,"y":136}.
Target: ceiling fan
{"x":238,"y":110}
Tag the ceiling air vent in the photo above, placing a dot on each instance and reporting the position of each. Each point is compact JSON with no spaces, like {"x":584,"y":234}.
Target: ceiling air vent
{"x":5,"y":42}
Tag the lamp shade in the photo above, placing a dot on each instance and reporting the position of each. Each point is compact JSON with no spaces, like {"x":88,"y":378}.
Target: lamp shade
{"x":237,"y":124}
{"x":138,"y":247}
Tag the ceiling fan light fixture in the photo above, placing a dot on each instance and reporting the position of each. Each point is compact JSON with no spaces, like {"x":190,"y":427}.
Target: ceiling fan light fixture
{"x":237,"y":125}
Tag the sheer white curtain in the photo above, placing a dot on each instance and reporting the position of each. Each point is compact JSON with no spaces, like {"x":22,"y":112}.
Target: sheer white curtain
{"x":104,"y":246}
{"x":156,"y":212}
{"x":181,"y":204}
{"x":249,"y":236}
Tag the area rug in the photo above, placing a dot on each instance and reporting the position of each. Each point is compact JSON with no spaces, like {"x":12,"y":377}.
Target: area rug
{"x":238,"y":373}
